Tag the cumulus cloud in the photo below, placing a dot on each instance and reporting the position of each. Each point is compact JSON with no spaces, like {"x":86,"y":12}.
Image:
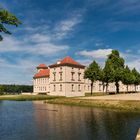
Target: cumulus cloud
{"x":100,"y":53}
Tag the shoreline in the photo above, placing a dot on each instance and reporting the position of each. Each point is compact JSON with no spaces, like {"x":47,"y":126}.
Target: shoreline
{"x":131,"y":106}
{"x":96,"y":101}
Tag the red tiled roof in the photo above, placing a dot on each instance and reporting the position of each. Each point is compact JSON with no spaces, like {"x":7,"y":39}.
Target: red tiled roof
{"x":67,"y":61}
{"x":42,"y":73}
{"x":42,"y":66}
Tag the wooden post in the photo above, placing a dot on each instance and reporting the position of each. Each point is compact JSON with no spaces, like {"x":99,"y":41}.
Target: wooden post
{"x":138,"y":135}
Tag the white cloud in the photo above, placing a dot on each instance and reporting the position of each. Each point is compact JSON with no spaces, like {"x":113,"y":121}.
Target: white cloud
{"x":65,"y":26}
{"x":39,"y":38}
{"x":134,"y":64}
{"x":47,"y":49}
{"x":41,"y":45}
{"x":100,"y":53}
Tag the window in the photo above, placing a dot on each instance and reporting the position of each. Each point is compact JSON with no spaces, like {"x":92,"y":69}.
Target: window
{"x":79,"y":88}
{"x":88,"y":88}
{"x":60,"y":76}
{"x":60,"y":87}
{"x":54,"y":88}
{"x":79,"y":76}
{"x":100,"y":86}
{"x":72,"y":75}
{"x":72,"y":88}
{"x":54,"y":76}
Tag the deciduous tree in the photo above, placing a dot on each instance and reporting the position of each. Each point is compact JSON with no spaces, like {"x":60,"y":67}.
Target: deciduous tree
{"x":7,"y":18}
{"x":128,"y":77}
{"x":136,"y":74}
{"x":106,"y":75}
{"x":93,"y":73}
{"x":117,"y":66}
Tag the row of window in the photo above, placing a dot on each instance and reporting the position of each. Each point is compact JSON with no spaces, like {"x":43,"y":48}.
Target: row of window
{"x":41,"y":81}
{"x":71,"y":68}
{"x":61,"y":75}
{"x":73,"y":87}
{"x":88,"y":87}
{"x":40,"y":88}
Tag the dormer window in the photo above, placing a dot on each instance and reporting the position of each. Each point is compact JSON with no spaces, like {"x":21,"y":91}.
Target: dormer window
{"x":58,"y":62}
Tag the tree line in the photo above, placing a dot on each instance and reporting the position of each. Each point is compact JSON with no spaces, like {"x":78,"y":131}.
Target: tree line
{"x":15,"y":89}
{"x":114,"y":70}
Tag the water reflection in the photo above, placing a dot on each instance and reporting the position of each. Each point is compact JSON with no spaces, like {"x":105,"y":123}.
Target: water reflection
{"x":85,"y":123}
{"x":38,"y":121}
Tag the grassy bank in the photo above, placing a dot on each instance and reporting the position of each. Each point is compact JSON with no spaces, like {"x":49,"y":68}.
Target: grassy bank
{"x":27,"y":97}
{"x":133,"y":106}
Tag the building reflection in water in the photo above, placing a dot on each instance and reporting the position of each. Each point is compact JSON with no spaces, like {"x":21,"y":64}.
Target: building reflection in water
{"x":66,"y":123}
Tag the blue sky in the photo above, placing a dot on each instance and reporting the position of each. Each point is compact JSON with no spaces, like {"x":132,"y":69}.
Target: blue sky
{"x":86,"y":30}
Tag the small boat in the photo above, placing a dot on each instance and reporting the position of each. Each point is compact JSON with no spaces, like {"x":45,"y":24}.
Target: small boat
{"x":138,"y":135}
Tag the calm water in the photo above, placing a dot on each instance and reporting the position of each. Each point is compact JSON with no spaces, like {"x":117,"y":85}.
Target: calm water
{"x":36,"y":121}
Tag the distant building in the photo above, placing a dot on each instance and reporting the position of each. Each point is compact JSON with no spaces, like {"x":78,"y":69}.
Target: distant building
{"x":66,"y":78}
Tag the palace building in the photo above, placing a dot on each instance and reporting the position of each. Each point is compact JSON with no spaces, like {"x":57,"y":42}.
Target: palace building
{"x":66,"y":78}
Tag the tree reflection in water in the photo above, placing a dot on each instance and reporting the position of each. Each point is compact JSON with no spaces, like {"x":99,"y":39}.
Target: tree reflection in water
{"x":84,"y":123}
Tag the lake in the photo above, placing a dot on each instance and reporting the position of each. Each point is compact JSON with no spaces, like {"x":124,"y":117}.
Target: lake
{"x":37,"y":121}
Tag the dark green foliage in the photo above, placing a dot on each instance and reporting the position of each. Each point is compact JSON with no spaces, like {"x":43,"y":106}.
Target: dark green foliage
{"x":93,"y":73}
{"x":113,"y":71}
{"x":106,"y":75}
{"x":6,"y":18}
{"x":117,"y":66}
{"x":136,"y":74}
{"x":128,"y":77}
{"x":15,"y":89}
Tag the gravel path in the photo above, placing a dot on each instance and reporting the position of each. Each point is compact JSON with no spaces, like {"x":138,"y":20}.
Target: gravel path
{"x":134,"y":96}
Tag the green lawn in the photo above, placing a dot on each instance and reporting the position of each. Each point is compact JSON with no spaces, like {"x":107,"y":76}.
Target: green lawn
{"x":131,"y":106}
{"x":27,"y":97}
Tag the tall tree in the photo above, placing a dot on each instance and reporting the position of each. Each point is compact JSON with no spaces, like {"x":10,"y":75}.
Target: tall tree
{"x":93,"y":73}
{"x":106,"y":75}
{"x":137,"y":78}
{"x":7,"y":18}
{"x":117,"y":66}
{"x":128,"y":77}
